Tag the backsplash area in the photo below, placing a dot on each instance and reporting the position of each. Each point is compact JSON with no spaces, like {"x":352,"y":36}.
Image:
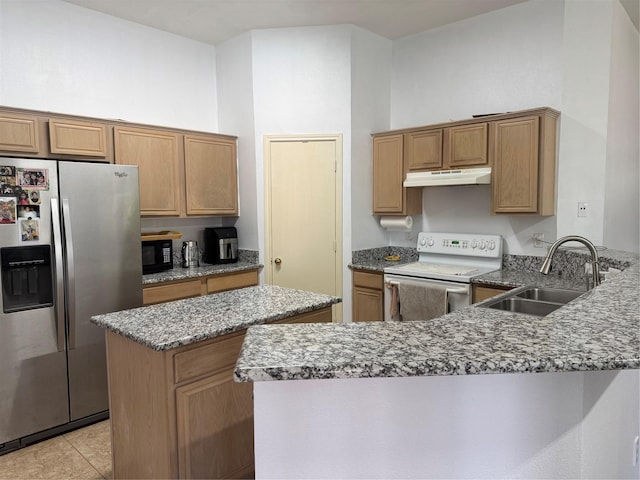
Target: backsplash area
{"x":566,"y":262}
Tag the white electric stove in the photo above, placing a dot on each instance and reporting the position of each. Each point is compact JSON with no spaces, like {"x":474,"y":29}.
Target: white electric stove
{"x":446,"y":259}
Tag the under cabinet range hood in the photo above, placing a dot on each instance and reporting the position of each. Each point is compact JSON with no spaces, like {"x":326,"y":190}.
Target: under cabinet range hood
{"x":461,"y":176}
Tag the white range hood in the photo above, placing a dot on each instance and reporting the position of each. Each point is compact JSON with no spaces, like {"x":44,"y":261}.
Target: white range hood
{"x":463,"y":176}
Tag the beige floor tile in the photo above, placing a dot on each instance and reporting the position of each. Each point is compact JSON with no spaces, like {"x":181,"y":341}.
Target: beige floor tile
{"x":51,"y":459}
{"x":94,"y":444}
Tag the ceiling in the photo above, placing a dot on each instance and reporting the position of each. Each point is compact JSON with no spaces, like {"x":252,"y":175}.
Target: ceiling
{"x":215,"y":21}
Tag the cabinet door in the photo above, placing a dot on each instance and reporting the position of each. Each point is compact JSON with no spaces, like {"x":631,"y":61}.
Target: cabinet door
{"x":211,"y":176}
{"x":480,"y":293}
{"x":73,"y":137}
{"x":388,"y":174}
{"x":19,"y":133}
{"x":466,"y":146}
{"x":156,"y":154}
{"x":423,"y":150}
{"x":389,"y":196}
{"x":215,"y":428}
{"x":514,"y":151}
{"x":368,"y":305}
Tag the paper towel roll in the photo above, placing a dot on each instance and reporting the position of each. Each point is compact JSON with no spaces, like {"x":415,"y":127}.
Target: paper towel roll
{"x":397,"y":224}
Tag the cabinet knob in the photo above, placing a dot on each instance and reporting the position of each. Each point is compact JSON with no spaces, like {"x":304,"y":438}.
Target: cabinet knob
{"x":277,"y":260}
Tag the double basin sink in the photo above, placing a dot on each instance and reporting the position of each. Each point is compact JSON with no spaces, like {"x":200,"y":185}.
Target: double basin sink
{"x":531,"y":300}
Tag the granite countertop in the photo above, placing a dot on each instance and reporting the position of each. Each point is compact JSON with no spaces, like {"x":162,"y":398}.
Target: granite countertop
{"x":180,"y":273}
{"x":169,"y":325}
{"x":597,"y":331}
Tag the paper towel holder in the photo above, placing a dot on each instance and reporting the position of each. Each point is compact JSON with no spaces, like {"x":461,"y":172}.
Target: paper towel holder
{"x":397,"y":224}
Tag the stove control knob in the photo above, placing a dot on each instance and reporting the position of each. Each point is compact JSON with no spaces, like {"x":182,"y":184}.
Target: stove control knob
{"x":430,"y":242}
{"x":492,"y":245}
{"x":423,"y":241}
{"x":474,"y":244}
{"x":483,"y":245}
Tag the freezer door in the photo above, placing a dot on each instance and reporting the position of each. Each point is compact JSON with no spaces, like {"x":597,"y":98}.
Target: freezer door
{"x":33,"y":367}
{"x":101,"y":230}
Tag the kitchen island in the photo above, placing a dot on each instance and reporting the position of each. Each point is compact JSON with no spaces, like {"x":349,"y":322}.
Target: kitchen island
{"x":175,"y":410}
{"x":475,"y":393}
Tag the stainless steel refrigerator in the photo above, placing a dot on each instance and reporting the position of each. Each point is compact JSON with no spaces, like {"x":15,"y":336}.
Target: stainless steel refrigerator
{"x":70,"y":249}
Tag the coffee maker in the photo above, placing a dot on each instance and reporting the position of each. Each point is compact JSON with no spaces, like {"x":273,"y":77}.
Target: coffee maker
{"x":221,"y":245}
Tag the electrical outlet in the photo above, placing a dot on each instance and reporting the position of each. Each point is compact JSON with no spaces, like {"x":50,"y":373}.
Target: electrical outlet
{"x":583,"y":209}
{"x":538,"y":240}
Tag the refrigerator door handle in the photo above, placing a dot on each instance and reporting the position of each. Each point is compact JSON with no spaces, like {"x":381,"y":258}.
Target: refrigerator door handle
{"x":71,"y":277}
{"x":59,"y":274}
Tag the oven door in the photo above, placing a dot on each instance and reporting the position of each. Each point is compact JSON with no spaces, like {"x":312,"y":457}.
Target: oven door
{"x":458,"y":295}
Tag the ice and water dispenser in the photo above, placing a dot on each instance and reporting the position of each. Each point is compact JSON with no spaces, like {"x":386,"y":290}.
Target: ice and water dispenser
{"x":27,"y":280}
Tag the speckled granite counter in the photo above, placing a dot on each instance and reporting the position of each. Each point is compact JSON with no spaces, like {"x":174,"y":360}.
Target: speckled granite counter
{"x":180,"y":273}
{"x":597,"y":331}
{"x":373,"y":259}
{"x":182,"y":322}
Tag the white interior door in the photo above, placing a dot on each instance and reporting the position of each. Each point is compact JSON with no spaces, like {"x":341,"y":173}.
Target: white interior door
{"x":303,"y":205}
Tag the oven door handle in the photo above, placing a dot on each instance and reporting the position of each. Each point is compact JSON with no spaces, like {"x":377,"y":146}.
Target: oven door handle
{"x":461,"y":291}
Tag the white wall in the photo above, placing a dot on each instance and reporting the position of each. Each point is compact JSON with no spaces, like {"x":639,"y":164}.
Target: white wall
{"x":622,"y":197}
{"x":542,"y":425}
{"x":234,"y":60}
{"x":507,"y":60}
{"x":302,"y":85}
{"x":58,"y":57}
{"x":578,"y":56}
{"x":370,"y":108}
{"x":585,"y":113}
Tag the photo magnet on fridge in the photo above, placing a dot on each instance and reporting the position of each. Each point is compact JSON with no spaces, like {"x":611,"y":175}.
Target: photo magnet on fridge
{"x":7,"y":210}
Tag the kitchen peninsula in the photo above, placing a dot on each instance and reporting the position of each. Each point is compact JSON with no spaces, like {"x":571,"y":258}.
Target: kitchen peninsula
{"x":175,"y":410}
{"x":479,"y":393}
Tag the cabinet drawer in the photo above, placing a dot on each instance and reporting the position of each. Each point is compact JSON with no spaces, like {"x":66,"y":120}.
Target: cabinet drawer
{"x":207,"y":359}
{"x":174,"y":291}
{"x":231,"y":281}
{"x":368,"y":280}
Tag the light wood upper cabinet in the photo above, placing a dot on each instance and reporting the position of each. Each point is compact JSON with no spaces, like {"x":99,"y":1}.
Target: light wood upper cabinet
{"x":423,"y":150}
{"x":466,"y":146}
{"x":19,"y":133}
{"x":389,"y":196}
{"x":157,"y":155}
{"x":74,"y":137}
{"x":523,"y":155}
{"x":211,"y":177}
{"x":515,"y":165}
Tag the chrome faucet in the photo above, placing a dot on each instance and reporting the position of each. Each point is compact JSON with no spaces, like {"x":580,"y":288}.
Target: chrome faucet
{"x":595,"y":264}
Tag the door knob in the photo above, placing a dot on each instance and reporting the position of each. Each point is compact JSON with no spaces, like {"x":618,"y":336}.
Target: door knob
{"x":277,"y":260}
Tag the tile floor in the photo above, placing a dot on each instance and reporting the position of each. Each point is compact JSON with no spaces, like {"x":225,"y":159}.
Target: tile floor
{"x":82,"y":454}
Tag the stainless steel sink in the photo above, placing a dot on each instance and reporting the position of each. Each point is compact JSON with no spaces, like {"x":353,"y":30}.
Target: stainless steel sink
{"x":554,"y":295}
{"x":531,"y":300}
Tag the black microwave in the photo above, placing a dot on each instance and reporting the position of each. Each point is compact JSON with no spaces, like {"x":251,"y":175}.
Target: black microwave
{"x":157,"y":256}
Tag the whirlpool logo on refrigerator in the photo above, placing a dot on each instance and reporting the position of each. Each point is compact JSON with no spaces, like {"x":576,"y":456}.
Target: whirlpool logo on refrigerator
{"x":120,"y":174}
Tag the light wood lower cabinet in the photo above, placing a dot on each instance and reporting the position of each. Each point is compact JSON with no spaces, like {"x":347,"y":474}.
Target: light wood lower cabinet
{"x":368,"y":296}
{"x":479,"y":293}
{"x":178,"y":413}
{"x":194,"y":287}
